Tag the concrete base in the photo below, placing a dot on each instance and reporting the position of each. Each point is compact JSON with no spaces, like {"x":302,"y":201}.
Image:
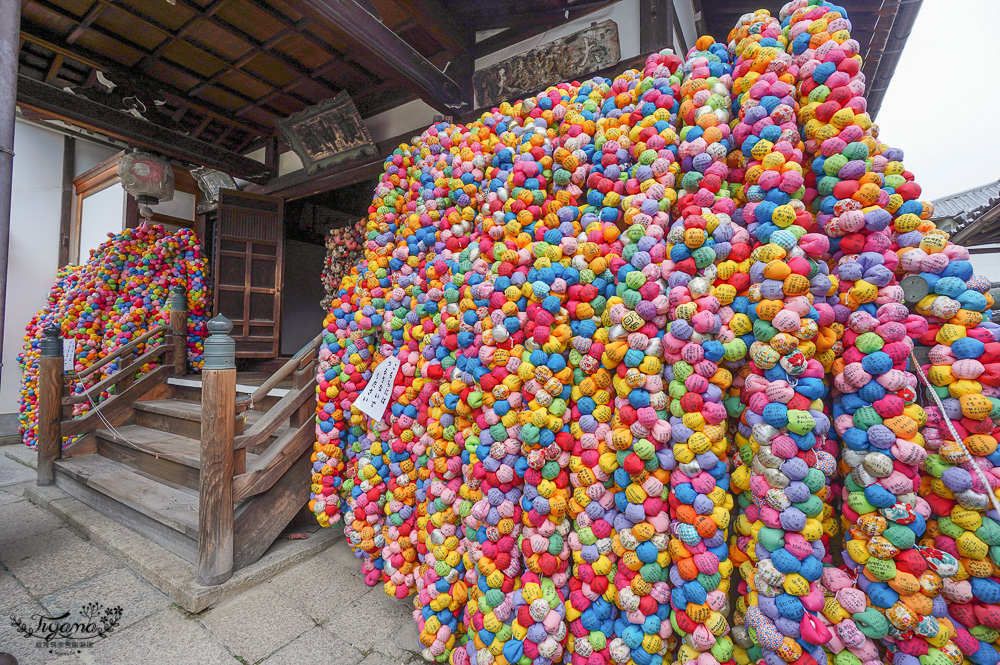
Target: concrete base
{"x":166,"y":571}
{"x":8,"y":429}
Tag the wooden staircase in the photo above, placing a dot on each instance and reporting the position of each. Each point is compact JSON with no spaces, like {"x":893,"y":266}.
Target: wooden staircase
{"x":209,"y":476}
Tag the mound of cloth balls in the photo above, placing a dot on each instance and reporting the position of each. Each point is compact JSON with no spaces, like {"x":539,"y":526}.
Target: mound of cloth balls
{"x":343,"y":250}
{"x":653,"y":330}
{"x":121,"y":292}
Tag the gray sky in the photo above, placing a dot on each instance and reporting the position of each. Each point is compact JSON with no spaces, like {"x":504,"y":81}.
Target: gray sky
{"x":943,"y":104}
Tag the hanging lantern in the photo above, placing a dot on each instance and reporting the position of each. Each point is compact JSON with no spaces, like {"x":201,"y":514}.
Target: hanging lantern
{"x":147,"y":177}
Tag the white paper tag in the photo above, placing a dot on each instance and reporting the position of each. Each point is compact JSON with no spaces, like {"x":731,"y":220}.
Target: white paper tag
{"x":69,"y":355}
{"x":374,"y":399}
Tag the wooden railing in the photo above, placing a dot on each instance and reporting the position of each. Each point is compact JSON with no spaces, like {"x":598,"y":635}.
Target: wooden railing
{"x":55,"y":396}
{"x":229,"y":537}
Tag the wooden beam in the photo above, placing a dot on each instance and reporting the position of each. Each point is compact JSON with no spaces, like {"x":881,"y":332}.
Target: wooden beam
{"x":679,"y":31}
{"x":434,"y":87}
{"x":655,"y":25}
{"x":301,"y":184}
{"x":215,"y":500}
{"x":54,"y":68}
{"x":95,"y":10}
{"x":97,"y":61}
{"x":491,"y":14}
{"x":440,"y":23}
{"x":83,"y":112}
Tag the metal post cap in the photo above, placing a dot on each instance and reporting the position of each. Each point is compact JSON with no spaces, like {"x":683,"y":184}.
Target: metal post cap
{"x":220,"y":348}
{"x":51,"y":342}
{"x":178,"y":299}
{"x":914,"y":289}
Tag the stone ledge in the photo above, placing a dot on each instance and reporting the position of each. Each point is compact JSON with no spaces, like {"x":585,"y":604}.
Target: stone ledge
{"x":21,"y":454}
{"x":167,"y":571}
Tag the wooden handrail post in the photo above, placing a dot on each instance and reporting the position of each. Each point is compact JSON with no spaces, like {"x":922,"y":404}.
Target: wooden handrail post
{"x":178,"y":326}
{"x":218,"y":429}
{"x":50,"y":389}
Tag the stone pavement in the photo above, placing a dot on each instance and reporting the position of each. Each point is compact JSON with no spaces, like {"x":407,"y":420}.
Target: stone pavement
{"x":318,"y":612}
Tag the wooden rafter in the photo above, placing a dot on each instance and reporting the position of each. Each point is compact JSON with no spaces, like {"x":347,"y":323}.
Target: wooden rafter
{"x":381,"y":43}
{"x":202,"y":13}
{"x":89,"y":58}
{"x":95,"y":10}
{"x":146,"y":53}
{"x":440,"y":23}
{"x":86,"y":113}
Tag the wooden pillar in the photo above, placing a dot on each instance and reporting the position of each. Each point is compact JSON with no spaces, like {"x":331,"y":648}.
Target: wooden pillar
{"x":10,"y":43}
{"x":656,"y":25}
{"x":66,"y":211}
{"x":218,"y":429}
{"x":50,"y":390}
{"x":178,"y":329}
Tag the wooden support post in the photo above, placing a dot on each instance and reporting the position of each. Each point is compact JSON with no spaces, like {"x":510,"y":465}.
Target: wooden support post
{"x":178,"y":329}
{"x":127,"y":379}
{"x":50,"y":391}
{"x":10,"y":45}
{"x":66,"y":211}
{"x":308,"y":410}
{"x":218,"y":425}
{"x":656,"y":25}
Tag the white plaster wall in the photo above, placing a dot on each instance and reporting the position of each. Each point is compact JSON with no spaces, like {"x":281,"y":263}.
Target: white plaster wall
{"x":987,"y":265}
{"x":103,"y":213}
{"x":686,"y":17}
{"x":36,"y":203}
{"x":89,"y":154}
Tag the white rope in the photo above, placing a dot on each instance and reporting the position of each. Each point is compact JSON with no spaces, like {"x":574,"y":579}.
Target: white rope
{"x":119,"y":435}
{"x":954,"y":433}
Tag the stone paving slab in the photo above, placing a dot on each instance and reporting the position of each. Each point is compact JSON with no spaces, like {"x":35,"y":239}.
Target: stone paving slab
{"x":12,"y":472}
{"x":53,"y":560}
{"x":316,"y":609}
{"x":256,"y":623}
{"x":311,"y":646}
{"x":23,"y":648}
{"x":137,"y":598}
{"x":22,"y":519}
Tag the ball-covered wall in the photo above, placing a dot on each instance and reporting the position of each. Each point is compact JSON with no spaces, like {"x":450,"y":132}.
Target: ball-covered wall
{"x":118,"y":294}
{"x":658,"y":401}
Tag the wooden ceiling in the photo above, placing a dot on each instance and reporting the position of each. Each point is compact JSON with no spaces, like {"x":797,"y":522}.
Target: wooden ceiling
{"x":218,"y":73}
{"x":221,"y":71}
{"x":224,"y":69}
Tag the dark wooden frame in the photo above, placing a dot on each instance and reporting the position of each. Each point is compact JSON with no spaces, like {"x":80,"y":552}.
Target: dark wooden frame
{"x":104,"y":175}
{"x":335,"y":110}
{"x":248,"y":290}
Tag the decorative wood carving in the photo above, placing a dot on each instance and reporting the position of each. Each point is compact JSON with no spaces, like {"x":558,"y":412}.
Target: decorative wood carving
{"x":562,"y":59}
{"x":327,"y":134}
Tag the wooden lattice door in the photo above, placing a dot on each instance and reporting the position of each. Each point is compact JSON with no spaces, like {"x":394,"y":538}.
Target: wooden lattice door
{"x":248,"y":247}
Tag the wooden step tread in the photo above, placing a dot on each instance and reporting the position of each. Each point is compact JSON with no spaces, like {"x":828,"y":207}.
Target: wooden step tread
{"x":167,"y":505}
{"x":194,"y":381}
{"x":175,"y":447}
{"x":184,"y":409}
{"x":175,"y":408}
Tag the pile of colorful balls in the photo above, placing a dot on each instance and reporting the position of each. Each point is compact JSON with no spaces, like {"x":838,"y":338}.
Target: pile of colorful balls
{"x":654,"y":329}
{"x":121,"y":292}
{"x":343,"y":250}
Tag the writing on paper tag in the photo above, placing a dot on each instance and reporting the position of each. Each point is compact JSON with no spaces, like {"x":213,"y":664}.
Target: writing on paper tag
{"x":69,"y":355}
{"x":374,"y":399}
